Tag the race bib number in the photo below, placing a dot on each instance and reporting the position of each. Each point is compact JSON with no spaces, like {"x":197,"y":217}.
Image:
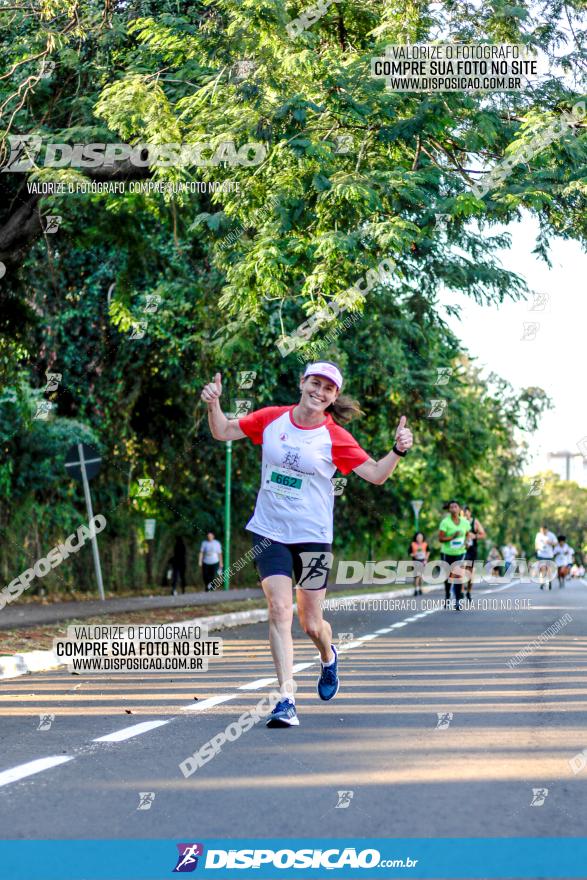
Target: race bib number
{"x":457,"y":543}
{"x":284,"y":482}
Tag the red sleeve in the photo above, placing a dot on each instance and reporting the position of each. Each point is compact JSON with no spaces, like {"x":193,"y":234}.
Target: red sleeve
{"x":255,"y":422}
{"x":346,"y":452}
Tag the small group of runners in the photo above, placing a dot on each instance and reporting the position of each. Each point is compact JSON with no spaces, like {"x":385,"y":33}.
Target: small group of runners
{"x":460,"y":531}
{"x":303,"y":444}
{"x":552,"y":548}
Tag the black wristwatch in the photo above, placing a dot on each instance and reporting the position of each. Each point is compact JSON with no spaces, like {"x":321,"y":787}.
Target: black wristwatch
{"x":397,"y":452}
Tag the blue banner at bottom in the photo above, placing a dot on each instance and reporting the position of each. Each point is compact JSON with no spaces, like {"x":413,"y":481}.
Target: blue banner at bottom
{"x":274,"y":859}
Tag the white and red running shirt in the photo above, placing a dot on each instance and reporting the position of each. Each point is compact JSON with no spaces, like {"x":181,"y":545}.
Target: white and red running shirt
{"x":296,"y":500}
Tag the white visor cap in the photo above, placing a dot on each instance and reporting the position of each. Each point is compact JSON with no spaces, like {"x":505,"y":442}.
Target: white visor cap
{"x":329,"y":371}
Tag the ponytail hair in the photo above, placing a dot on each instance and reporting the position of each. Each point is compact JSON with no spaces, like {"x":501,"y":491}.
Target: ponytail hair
{"x":344,"y":407}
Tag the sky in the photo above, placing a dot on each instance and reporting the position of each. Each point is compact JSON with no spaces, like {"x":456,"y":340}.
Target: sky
{"x":555,"y":359}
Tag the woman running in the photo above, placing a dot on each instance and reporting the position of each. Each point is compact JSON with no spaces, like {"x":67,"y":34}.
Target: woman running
{"x":452,"y":534}
{"x":303,"y":445}
{"x":419,"y":553}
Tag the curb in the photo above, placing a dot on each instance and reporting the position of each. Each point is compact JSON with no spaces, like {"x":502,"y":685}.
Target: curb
{"x":11,"y":666}
{"x":42,"y":661}
{"x":31,"y":661}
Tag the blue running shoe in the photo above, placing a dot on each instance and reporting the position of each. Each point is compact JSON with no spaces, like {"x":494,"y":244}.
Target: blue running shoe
{"x":328,"y":682}
{"x":284,"y":715}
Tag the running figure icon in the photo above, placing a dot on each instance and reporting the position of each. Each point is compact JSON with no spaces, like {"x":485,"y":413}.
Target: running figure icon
{"x":315,"y":569}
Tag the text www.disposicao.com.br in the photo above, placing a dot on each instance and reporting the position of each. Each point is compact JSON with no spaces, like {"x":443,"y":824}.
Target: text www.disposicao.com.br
{"x":134,"y":664}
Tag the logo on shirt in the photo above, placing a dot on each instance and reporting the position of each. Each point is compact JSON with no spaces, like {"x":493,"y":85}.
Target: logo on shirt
{"x":283,"y":436}
{"x":291,"y":460}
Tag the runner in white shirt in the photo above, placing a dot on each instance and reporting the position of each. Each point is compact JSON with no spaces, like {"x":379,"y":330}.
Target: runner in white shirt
{"x":563,"y":556}
{"x":302,"y":447}
{"x":544,"y":544}
{"x":509,"y":553}
{"x":210,"y":560}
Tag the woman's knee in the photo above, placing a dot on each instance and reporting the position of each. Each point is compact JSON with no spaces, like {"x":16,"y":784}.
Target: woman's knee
{"x":280,"y":611}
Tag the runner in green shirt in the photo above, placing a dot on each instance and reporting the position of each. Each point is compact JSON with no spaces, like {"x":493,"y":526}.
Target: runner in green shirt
{"x":452,"y":534}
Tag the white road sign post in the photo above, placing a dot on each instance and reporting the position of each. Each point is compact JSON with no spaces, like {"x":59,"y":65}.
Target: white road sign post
{"x":417,"y":507}
{"x":82,"y":462}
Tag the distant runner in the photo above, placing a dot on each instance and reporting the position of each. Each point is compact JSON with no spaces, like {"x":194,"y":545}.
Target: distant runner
{"x":452,"y":534}
{"x":476,"y":533}
{"x":210,"y":560}
{"x":563,"y":557}
{"x":544,"y":545}
{"x":510,"y":553}
{"x":302,"y":444}
{"x":495,"y":557}
{"x":419,"y":553}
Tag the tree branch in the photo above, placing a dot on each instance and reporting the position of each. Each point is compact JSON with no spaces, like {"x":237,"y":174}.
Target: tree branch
{"x":25,"y":225}
{"x":342,"y":32}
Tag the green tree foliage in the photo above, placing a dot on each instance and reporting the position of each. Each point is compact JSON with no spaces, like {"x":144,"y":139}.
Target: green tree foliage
{"x":354,"y":174}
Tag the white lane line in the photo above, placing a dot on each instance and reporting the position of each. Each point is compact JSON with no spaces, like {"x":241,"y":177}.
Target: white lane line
{"x":128,"y":732}
{"x":207,"y":704}
{"x":348,"y":645}
{"x":255,"y":685}
{"x":249,"y":686}
{"x":264,"y":682}
{"x":499,"y":589}
{"x":37,"y":766}
{"x":299,"y":666}
{"x":380,"y":632}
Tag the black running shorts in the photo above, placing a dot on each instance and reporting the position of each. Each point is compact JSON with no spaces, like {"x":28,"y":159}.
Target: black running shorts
{"x":309,"y":561}
{"x":447,"y":557}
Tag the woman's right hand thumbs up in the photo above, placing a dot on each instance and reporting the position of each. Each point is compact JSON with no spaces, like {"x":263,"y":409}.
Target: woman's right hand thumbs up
{"x":212,"y":390}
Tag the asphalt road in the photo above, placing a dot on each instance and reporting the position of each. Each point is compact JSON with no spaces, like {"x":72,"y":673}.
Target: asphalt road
{"x":411,"y":774}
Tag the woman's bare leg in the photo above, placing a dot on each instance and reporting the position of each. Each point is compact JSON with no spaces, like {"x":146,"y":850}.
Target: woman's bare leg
{"x":312,"y":622}
{"x":278,"y":591}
